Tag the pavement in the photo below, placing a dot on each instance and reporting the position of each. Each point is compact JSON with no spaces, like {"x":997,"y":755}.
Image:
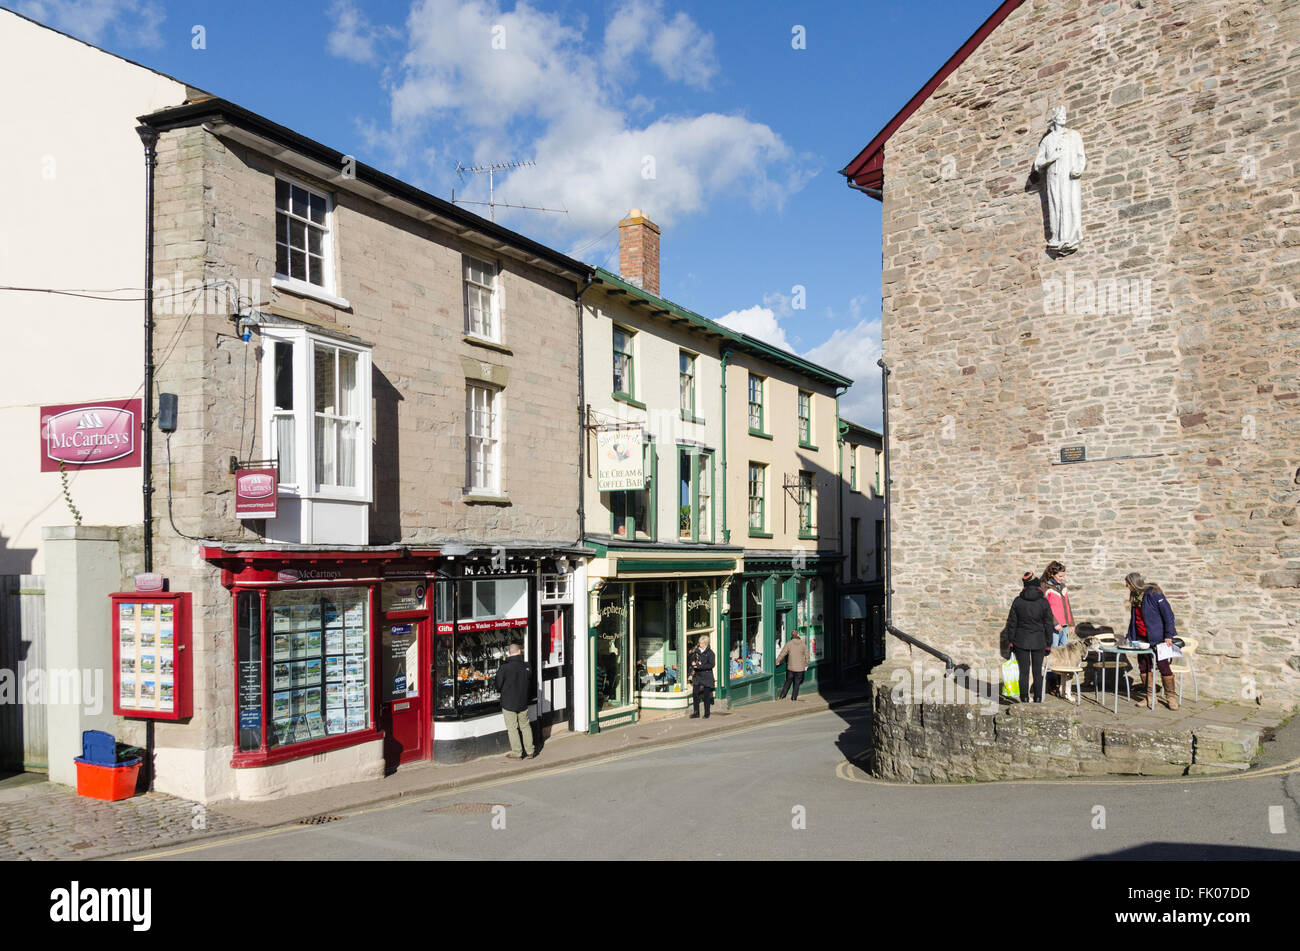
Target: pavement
{"x":40,"y":820}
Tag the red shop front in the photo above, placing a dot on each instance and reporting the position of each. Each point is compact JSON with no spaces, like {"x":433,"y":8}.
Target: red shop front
{"x":332,"y":651}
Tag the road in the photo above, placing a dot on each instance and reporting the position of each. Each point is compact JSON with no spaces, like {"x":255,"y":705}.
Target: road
{"x":789,"y":791}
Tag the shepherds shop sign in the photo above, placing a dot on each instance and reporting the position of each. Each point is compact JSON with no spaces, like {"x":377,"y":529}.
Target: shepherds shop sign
{"x":102,"y":435}
{"x":619,"y":459}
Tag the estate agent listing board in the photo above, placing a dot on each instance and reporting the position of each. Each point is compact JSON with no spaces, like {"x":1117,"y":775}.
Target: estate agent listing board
{"x":151,"y":655}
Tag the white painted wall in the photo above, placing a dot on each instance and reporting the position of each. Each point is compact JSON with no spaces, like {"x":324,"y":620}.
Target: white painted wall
{"x":72,"y":169}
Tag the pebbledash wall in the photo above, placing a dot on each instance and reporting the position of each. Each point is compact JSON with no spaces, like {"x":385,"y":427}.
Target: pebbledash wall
{"x":1190,"y":116}
{"x":215,"y":218}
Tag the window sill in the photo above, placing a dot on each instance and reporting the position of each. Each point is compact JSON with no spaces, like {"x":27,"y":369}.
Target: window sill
{"x":488,"y":344}
{"x":624,"y":398}
{"x":809,"y":536}
{"x":754,"y":534}
{"x":809,"y":446}
{"x":472,"y":498}
{"x":291,"y":285}
{"x":280,"y":754}
{"x":691,"y":418}
{"x":759,"y":433}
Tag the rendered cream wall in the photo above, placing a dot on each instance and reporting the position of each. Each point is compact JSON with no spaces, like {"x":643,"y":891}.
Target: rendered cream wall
{"x":73,"y":217}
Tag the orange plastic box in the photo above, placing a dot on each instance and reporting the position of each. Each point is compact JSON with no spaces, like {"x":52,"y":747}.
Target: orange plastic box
{"x":109,"y":783}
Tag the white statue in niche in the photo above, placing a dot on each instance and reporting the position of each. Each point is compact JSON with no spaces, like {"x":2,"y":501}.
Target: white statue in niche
{"x":1058,"y":165}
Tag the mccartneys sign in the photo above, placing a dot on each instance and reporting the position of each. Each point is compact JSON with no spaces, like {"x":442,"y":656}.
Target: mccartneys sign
{"x":102,"y":435}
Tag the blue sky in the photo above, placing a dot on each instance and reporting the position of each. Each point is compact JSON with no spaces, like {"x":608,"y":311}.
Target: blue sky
{"x":706,"y":116}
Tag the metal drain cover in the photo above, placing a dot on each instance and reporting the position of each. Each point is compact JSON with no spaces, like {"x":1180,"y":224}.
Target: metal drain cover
{"x":469,"y":808}
{"x":318,"y":820}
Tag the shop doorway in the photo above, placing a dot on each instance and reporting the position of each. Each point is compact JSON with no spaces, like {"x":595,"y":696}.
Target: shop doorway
{"x":555,"y":694}
{"x":404,"y":699}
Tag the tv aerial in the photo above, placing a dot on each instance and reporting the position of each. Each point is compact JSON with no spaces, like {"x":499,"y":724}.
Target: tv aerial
{"x":492,"y":203}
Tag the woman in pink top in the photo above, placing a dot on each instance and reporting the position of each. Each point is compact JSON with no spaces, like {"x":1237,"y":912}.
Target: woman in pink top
{"x":1059,"y":598}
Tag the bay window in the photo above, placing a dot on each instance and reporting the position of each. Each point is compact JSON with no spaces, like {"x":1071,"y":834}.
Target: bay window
{"x":316,"y":424}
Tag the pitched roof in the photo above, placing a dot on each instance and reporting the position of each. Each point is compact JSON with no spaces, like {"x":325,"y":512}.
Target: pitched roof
{"x":867,"y":170}
{"x":734,"y":339}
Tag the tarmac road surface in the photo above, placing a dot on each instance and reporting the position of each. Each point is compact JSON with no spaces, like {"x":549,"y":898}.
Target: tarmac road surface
{"x":789,"y":790}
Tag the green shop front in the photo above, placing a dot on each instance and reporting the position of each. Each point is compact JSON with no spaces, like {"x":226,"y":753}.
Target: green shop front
{"x":774,"y":595}
{"x":649,"y":606}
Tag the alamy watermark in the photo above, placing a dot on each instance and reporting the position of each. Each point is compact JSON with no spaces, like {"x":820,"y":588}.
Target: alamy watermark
{"x":56,"y":686}
{"x":968,"y":686}
{"x":1130,"y":296}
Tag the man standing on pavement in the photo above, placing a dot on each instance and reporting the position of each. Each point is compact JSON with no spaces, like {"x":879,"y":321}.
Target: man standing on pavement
{"x":512,"y":683}
{"x":795,"y":655}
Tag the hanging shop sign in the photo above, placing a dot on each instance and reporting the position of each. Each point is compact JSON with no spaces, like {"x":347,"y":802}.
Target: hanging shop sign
{"x":100,"y":435}
{"x":151,"y":655}
{"x":255,"y":492}
{"x":619,"y":460}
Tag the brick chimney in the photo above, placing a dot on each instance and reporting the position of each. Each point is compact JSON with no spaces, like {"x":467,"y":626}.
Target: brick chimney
{"x":638,"y":251}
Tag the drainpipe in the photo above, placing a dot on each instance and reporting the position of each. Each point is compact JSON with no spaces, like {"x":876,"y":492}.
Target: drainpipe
{"x":889,"y":560}
{"x":582,"y":421}
{"x":149,"y":137}
{"x":726,"y":532}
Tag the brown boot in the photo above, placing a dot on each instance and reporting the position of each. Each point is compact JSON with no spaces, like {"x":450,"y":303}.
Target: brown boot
{"x":1171,"y":691}
{"x":1148,"y":695}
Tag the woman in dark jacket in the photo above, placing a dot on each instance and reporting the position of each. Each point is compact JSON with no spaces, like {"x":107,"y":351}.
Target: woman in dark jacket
{"x":1031,"y":627}
{"x":1151,"y":621}
{"x":701,"y":666}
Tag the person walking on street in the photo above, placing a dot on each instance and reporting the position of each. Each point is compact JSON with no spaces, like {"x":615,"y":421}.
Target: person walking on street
{"x":1151,"y":621}
{"x":512,"y":683}
{"x":1032,"y":628}
{"x":702,"y":662}
{"x":795,"y":655}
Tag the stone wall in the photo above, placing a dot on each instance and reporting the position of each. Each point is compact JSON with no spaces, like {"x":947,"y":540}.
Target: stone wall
{"x":1168,"y":344}
{"x":927,"y":730}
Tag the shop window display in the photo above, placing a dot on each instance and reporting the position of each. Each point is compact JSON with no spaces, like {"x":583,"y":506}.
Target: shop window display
{"x":657,"y":667}
{"x":469,"y":650}
{"x":746,"y":648}
{"x":612,"y":648}
{"x":319,"y":651}
{"x":810,"y":618}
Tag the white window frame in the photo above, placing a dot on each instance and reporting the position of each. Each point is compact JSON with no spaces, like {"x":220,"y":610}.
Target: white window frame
{"x":327,"y":291}
{"x":494,"y":292}
{"x":497,"y":411}
{"x":304,"y":414}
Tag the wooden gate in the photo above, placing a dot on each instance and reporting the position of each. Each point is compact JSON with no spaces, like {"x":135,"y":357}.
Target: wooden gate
{"x":22,"y":650}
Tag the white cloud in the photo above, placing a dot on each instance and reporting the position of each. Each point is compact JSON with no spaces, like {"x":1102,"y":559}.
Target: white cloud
{"x":354,"y":37}
{"x":758,"y":322}
{"x":495,"y":84}
{"x":681,"y":49}
{"x":132,"y":22}
{"x":851,"y":351}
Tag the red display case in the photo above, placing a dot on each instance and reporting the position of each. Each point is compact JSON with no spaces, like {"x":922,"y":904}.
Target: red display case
{"x":152,"y":656}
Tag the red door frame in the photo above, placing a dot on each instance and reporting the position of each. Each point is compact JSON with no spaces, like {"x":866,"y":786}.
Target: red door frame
{"x":422,"y":705}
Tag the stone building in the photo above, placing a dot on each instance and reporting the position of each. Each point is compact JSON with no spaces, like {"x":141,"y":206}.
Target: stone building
{"x":1132,"y":404}
{"x":412,"y":370}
